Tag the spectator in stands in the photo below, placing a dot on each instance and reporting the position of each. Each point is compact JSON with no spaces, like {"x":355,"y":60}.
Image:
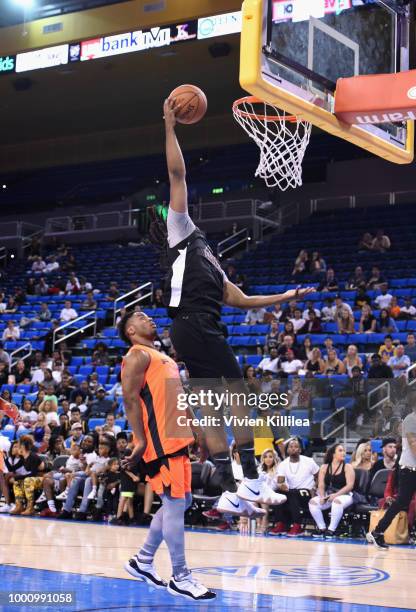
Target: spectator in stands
{"x":330,"y":282}
{"x":410,"y":348}
{"x":42,"y":287}
{"x":289,"y":365}
{"x":386,"y":325}
{"x":76,"y":436}
{"x":266,"y":381}
{"x":317,"y":265}
{"x":312,"y":324}
{"x":21,"y":373}
{"x":84,"y":390}
{"x":333,"y":365}
{"x":72,"y":286}
{"x":287,"y":343}
{"x":362,"y":298}
{"x":381,"y":242}
{"x":383,"y":301}
{"x":315,"y":364}
{"x":69,"y":263}
{"x":272,"y":338}
{"x":100,"y":355}
{"x":356,"y":280}
{"x":366,"y":242}
{"x":395,"y":310}
{"x":242,"y":283}
{"x":340,"y":305}
{"x":157,"y":300}
{"x":289,"y":311}
{"x":399,"y":362}
{"x":298,"y":396}
{"x":368,"y":322}
{"x":75,"y":419}
{"x":288,"y":330}
{"x":253,"y":383}
{"x":64,"y":429}
{"x":26,"y":485}
{"x":77,"y":485}
{"x":28,"y":416}
{"x":89,"y":303}
{"x":310,"y":305}
{"x":297,"y":476}
{"x":379,"y":369}
{"x":300,"y":263}
{"x":388,"y":460}
{"x":40,"y":429}
{"x":38,"y":265}
{"x":30,"y":286}
{"x":4,"y":373}
{"x":352,"y":359}
{"x":328,"y":311}
{"x":335,"y":484}
{"x":376,"y":279}
{"x":79,"y":404}
{"x":38,"y":373}
{"x":68,"y":313}
{"x":44,"y":314}
{"x":297,"y":321}
{"x":34,"y":249}
{"x":345,"y":321}
{"x":270,"y":362}
{"x":255,"y":316}
{"x":11,"y":332}
{"x":357,"y":388}
{"x":11,"y":306}
{"x":52,"y":265}
{"x":116,"y":390}
{"x":276,"y":313}
{"x":101,"y":406}
{"x":363,"y":457}
{"x":110,"y":424}
{"x":2,"y":302}
{"x":48,"y":407}
{"x":19,"y":296}
{"x":113,"y":291}
{"x":305,"y":351}
{"x":408,"y":311}
{"x":166,"y":340}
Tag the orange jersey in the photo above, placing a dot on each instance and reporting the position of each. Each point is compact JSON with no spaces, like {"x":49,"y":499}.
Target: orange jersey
{"x":159,"y":399}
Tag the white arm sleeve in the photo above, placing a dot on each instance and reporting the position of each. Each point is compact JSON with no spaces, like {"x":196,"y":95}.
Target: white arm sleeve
{"x":180,"y":226}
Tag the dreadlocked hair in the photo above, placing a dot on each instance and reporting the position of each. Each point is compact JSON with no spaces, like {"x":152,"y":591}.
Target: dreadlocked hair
{"x":158,"y":235}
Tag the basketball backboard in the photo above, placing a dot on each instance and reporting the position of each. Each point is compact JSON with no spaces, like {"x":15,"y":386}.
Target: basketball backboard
{"x":294,"y":51}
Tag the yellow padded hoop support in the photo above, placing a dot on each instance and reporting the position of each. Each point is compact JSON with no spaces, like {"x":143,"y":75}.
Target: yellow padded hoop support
{"x":252,"y":80}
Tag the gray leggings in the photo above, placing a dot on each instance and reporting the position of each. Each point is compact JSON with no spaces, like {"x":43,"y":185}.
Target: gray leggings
{"x":168,"y":525}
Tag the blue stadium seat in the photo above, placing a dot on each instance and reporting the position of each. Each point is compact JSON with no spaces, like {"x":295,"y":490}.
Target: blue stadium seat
{"x":253,"y":360}
{"x":85,"y":370}
{"x":321,"y":403}
{"x":23,"y":388}
{"x":93,"y":423}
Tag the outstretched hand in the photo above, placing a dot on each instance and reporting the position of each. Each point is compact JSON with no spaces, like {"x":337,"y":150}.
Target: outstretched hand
{"x":298,"y":293}
{"x":169,"y":112}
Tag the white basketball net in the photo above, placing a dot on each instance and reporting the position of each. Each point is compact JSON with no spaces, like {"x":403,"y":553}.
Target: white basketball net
{"x":282,"y":143}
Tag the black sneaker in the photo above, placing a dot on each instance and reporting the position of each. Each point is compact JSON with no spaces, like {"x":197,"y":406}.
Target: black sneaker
{"x":81,"y":516}
{"x":144,"y":519}
{"x":377,"y":539}
{"x":329,"y":535}
{"x":65,"y":514}
{"x":318,"y":533}
{"x":145,"y":572}
{"x":117,"y":521}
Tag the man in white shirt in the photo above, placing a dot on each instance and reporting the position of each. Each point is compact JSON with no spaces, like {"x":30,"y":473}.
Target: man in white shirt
{"x":340,"y":305}
{"x":384,"y":299}
{"x":297,"y":477}
{"x":399,"y":362}
{"x":408,"y":308}
{"x":328,"y":311}
{"x":110,"y":421}
{"x":11,"y":332}
{"x":68,"y":313}
{"x":291,"y":365}
{"x":310,"y":306}
{"x":38,"y":374}
{"x":52,"y":266}
{"x":298,"y":322}
{"x":270,"y":363}
{"x":255,"y":316}
{"x":38,"y":265}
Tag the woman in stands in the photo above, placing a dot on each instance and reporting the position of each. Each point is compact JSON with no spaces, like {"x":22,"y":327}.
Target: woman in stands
{"x":368,"y":322}
{"x":352,"y":359}
{"x":252,"y":382}
{"x":269,"y":463}
{"x":300,"y":263}
{"x":333,"y":365}
{"x":26,"y":485}
{"x":40,"y":429}
{"x":386,"y":324}
{"x":288,"y":330}
{"x":318,"y":264}
{"x":335,"y":484}
{"x":315,"y":364}
{"x":345,"y":322}
{"x":305,"y":351}
{"x":313,"y":323}
{"x":363,"y":457}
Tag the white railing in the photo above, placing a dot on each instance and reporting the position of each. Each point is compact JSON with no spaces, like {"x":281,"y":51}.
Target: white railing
{"x":384,"y":385}
{"x":78,"y":330}
{"x":14,"y":353}
{"x":411,"y":381}
{"x":133,"y":302}
{"x":231,"y":242}
{"x":3,"y":255}
{"x":342,"y":426}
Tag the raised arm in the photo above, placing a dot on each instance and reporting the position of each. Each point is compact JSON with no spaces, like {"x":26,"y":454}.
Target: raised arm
{"x":233,"y":296}
{"x":175,"y":161}
{"x":135,"y":366}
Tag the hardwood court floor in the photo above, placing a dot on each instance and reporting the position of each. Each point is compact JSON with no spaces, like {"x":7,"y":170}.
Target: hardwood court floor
{"x":248,"y":572}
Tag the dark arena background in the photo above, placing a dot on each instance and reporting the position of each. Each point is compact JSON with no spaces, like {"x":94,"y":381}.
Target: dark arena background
{"x":329,"y":371}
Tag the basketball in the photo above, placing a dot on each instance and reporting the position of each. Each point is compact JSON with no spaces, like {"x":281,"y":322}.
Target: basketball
{"x":192,"y":102}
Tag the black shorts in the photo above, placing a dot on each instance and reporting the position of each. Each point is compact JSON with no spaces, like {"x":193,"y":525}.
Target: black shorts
{"x":199,"y":340}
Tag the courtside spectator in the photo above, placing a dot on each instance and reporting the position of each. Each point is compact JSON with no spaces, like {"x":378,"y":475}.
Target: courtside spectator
{"x":388,"y":460}
{"x":269,"y":463}
{"x":68,"y":313}
{"x":26,"y":485}
{"x":363,"y":457}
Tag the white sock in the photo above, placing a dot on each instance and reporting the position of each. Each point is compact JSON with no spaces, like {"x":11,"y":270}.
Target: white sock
{"x":51,"y":505}
{"x":337,"y":511}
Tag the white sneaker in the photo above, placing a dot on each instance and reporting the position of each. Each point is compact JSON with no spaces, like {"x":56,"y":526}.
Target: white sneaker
{"x":41,"y":499}
{"x":190,"y":589}
{"x":62,"y":496}
{"x":6,"y":508}
{"x":257,"y":490}
{"x":230,"y":503}
{"x":145,"y":572}
{"x":93,"y":494}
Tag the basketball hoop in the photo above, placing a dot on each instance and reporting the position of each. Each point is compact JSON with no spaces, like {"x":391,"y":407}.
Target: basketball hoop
{"x":282,"y":140}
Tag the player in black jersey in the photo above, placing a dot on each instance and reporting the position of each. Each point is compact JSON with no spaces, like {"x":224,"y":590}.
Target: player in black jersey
{"x":196,"y":289}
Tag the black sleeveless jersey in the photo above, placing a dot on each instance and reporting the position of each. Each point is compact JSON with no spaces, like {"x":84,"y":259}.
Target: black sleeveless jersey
{"x":195,"y":281}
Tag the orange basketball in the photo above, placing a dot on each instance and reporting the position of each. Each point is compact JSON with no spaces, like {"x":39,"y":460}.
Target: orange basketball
{"x":192,"y":102}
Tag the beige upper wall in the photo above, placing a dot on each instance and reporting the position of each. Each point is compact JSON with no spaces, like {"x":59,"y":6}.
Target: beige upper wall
{"x":111,"y":19}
